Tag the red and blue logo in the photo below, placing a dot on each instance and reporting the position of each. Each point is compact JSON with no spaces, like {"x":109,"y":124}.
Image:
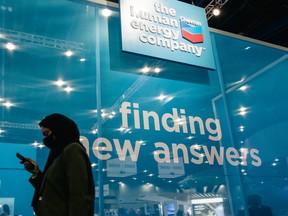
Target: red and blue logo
{"x":192,"y":33}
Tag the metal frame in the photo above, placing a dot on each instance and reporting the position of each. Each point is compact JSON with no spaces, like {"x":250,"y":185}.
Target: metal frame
{"x":214,"y":3}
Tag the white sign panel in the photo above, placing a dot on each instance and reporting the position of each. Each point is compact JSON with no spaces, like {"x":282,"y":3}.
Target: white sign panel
{"x":117,"y":168}
{"x":167,"y":29}
{"x":171,"y":170}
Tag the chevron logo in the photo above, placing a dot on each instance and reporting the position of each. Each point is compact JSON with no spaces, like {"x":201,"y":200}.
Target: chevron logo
{"x":192,"y":33}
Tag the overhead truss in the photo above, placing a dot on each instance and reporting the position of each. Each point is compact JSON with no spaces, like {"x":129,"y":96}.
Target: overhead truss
{"x":214,"y":3}
{"x":22,"y":37}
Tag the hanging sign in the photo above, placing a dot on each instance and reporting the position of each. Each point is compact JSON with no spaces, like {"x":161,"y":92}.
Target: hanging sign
{"x":171,"y":170}
{"x":167,"y":29}
{"x":117,"y":168}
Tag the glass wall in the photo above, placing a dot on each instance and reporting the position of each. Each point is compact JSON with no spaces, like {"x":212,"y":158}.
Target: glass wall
{"x":255,"y":95}
{"x":164,"y":138}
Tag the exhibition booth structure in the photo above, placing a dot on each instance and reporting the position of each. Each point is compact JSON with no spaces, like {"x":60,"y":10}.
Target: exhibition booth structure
{"x":177,"y":118}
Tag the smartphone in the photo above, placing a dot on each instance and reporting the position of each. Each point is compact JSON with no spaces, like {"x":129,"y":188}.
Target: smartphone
{"x":24,"y":159}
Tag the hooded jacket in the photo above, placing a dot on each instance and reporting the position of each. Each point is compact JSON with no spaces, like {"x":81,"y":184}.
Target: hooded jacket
{"x":66,"y":186}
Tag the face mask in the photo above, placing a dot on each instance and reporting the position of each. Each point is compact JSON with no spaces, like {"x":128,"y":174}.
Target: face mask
{"x":50,"y":141}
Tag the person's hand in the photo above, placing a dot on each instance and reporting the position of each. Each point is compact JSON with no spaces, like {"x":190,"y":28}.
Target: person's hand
{"x":28,"y":166}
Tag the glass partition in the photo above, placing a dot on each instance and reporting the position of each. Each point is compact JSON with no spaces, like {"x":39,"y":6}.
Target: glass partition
{"x":255,"y":93}
{"x":164,"y":138}
{"x":47,"y":66}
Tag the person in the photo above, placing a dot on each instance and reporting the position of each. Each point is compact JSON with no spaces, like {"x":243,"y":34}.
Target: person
{"x":6,"y":210}
{"x":140,"y":212}
{"x":132,"y":212}
{"x":256,"y":208}
{"x":122,"y":212}
{"x":66,"y":186}
{"x":179,"y":212}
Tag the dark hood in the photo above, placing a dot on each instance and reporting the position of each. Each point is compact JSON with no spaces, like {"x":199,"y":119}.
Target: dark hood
{"x":64,"y":129}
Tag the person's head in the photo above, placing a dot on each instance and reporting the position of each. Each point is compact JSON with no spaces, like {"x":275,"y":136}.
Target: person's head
{"x":139,"y":211}
{"x":6,"y":209}
{"x":58,"y":131}
{"x":254,"y":200}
